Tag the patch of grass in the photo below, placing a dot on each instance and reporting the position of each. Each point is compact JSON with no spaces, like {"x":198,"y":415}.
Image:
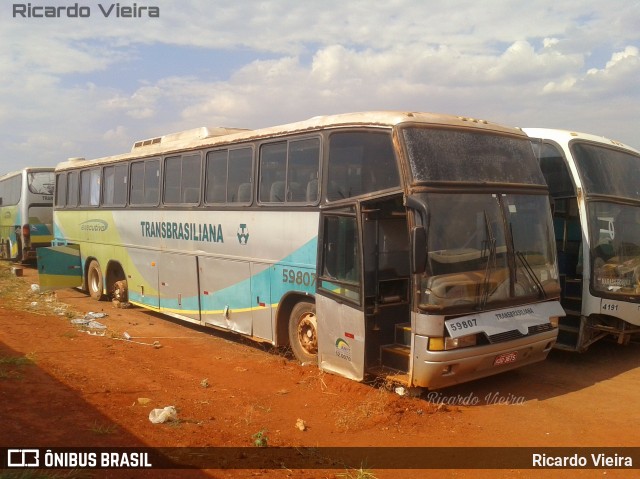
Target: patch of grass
{"x":8,"y":375}
{"x":353,"y":417}
{"x":103,"y":429}
{"x":361,"y":473}
{"x":260,"y":438}
{"x":16,"y":360}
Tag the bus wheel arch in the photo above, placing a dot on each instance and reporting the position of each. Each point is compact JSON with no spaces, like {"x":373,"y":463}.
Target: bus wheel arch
{"x":116,"y":281}
{"x":95,"y":280}
{"x":303,"y":331}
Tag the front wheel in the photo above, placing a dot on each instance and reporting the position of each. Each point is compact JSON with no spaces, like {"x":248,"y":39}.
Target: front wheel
{"x":94,"y":280}
{"x":303,"y":332}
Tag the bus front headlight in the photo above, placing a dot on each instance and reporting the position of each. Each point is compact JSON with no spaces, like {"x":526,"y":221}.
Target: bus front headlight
{"x":446,"y":344}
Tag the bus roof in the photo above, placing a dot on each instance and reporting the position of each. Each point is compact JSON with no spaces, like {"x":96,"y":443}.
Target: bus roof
{"x":27,"y":168}
{"x":565,"y":136}
{"x":218,"y":136}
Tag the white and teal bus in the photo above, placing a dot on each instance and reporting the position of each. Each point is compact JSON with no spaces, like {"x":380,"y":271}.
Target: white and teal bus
{"x":413,"y":245}
{"x":595,"y":186}
{"x":26,"y":209}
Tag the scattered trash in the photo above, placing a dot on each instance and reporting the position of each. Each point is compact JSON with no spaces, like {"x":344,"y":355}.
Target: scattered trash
{"x":35,"y":288}
{"x":409,"y":392}
{"x":119,"y":295}
{"x":120,"y":304}
{"x":127,"y":337}
{"x":16,"y":270}
{"x":92,"y":315}
{"x":300,"y":424}
{"x":158,"y":416}
{"x":34,"y":304}
{"x":88,"y":323}
{"x":143,"y":401}
{"x":204,"y":383}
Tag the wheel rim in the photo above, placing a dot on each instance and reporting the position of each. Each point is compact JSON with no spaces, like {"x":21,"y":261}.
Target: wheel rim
{"x":94,"y":281}
{"x":307,"y":336}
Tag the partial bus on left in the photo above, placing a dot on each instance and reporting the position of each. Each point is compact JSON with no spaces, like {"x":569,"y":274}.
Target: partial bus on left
{"x":26,"y":211}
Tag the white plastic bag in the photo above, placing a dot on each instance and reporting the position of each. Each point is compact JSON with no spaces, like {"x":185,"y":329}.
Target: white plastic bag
{"x":158,"y":416}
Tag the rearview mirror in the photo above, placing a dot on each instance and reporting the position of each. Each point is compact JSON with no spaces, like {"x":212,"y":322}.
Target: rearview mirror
{"x":419,"y":244}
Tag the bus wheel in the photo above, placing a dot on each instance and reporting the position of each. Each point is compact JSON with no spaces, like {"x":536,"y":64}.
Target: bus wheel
{"x":5,"y":249}
{"x":303,"y":332}
{"x":94,"y":280}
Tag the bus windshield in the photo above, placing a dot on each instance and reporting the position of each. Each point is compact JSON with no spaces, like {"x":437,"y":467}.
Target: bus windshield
{"x":41,"y":182}
{"x":487,"y":249}
{"x":615,"y":247}
{"x":438,"y":155}
{"x":605,"y":171}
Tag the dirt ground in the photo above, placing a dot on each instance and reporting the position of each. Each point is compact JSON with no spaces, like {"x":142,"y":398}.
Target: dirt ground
{"x":62,"y":384}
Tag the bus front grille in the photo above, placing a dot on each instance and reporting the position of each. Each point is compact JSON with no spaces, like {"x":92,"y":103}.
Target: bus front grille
{"x":515,"y":334}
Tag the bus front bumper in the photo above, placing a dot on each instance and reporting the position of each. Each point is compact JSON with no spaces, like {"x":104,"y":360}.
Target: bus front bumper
{"x":438,"y":369}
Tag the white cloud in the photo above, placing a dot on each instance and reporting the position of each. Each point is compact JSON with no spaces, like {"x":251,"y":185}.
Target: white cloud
{"x":506,"y":61}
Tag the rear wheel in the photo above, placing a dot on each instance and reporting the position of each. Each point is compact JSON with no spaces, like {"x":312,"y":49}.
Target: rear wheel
{"x":94,"y":280}
{"x":303,"y":332}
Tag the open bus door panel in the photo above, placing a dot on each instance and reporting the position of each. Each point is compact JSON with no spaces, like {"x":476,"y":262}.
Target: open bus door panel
{"x":339,"y":309}
{"x":59,"y":267}
{"x":362,"y":299}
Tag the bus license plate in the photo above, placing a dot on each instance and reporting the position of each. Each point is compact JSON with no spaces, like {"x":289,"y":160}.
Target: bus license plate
{"x":505,"y":358}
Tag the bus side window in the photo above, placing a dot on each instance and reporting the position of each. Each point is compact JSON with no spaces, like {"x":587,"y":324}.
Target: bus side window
{"x":273,"y":160}
{"x":240,"y":175}
{"x":359,"y":163}
{"x":72,"y":189}
{"x":302,"y":170}
{"x":151,"y":182}
{"x":90,"y":187}
{"x":61,"y":189}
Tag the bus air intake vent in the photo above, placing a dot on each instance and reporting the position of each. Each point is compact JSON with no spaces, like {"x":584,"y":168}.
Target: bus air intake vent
{"x":515,"y":334}
{"x":188,"y":135}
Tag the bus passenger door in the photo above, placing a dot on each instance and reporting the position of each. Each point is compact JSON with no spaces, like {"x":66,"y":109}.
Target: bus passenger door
{"x":179,"y":286}
{"x":339,"y":303}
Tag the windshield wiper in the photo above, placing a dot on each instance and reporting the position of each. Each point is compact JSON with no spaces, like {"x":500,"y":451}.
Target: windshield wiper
{"x":490,"y":245}
{"x":532,"y":274}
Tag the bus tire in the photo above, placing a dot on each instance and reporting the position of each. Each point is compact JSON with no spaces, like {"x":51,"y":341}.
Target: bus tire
{"x":94,"y":280}
{"x":303,"y":332}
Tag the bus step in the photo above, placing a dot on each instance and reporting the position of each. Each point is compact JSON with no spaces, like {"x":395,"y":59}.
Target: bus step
{"x":565,"y":346}
{"x":567,"y":339}
{"x":403,"y":333}
{"x":395,"y":356}
{"x":570,"y":329}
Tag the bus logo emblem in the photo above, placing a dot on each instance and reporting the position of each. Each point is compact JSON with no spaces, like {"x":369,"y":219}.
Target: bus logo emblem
{"x":243,"y":234}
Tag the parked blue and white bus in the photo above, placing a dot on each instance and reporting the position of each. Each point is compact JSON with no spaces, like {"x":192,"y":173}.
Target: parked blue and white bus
{"x":595,"y":186}
{"x":413,"y":245}
{"x":26,"y":209}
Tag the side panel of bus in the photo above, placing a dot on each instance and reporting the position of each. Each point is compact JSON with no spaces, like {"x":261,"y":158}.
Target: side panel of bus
{"x":40,"y":225}
{"x":9,"y":224}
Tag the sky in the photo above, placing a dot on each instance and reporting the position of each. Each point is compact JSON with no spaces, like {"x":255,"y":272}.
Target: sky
{"x":91,"y":86}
